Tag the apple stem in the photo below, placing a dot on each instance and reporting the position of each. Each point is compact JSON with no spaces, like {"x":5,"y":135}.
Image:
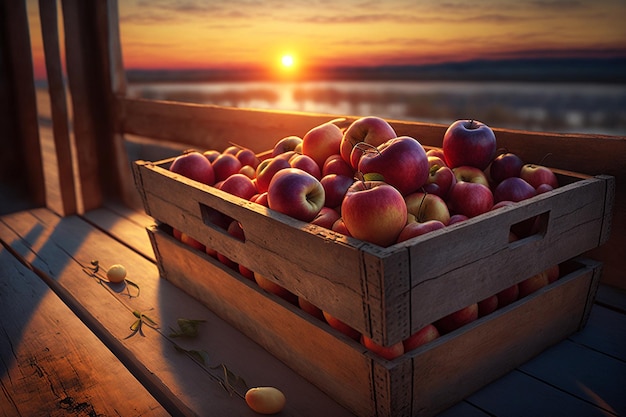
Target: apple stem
{"x":367,"y":147}
{"x":419,"y":209}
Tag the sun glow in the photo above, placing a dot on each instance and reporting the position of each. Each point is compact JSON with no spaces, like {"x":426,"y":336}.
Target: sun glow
{"x":287,"y":61}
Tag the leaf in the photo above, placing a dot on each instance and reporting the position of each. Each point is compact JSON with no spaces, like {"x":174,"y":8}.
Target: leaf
{"x":132,"y":284}
{"x":232,"y":383}
{"x":188,"y":328}
{"x":199,"y":355}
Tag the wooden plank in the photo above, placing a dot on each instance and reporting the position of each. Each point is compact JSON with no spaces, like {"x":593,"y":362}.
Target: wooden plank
{"x":58,"y":106}
{"x":51,"y":363}
{"x":568,"y":363}
{"x":606,"y":332}
{"x":517,"y":394}
{"x":63,"y":246}
{"x":23,"y":151}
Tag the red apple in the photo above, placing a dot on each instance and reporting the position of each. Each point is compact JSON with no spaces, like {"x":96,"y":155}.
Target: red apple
{"x":401,"y":161}
{"x":274,"y":288}
{"x":488,"y":305}
{"x":437,"y":152}
{"x":440,"y":177}
{"x":414,"y":229}
{"x":427,"y":207}
{"x":335,"y":188}
{"x":344,"y":328}
{"x":311,"y":308}
{"x":321,"y":142}
{"x":211,"y":154}
{"x":336,"y":165}
{"x":508,"y":295}
{"x":370,"y":129}
{"x":195,"y":166}
{"x":340,"y":227}
{"x":532,"y":284}
{"x":191,"y":242}
{"x":536,"y":175}
{"x":457,"y":319}
{"x":296,"y":193}
{"x":246,"y":272}
{"x":457,"y":218}
{"x":469,"y":142}
{"x":504,"y":166}
{"x":470,"y":174}
{"x":426,"y":334}
{"x":248,"y":157}
{"x":543,"y":188}
{"x":239,"y":185}
{"x":387,"y":352}
{"x":266,"y":171}
{"x":260,"y":199}
{"x":232,"y":149}
{"x":249,"y":172}
{"x":553,"y":273}
{"x":307,"y":164}
{"x":225,"y":165}
{"x":326,"y":217}
{"x":513,"y":189}
{"x":374,"y":211}
{"x":286,"y":144}
{"x":469,"y":199}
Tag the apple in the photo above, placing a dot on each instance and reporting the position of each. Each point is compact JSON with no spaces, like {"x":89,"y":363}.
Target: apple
{"x":457,"y":319}
{"x":276,"y":289}
{"x":508,"y":295}
{"x":504,"y":166}
{"x":307,"y":164}
{"x":532,"y":284}
{"x":248,"y":157}
{"x":536,"y":175}
{"x":457,"y":218}
{"x":426,"y":334}
{"x":513,"y":189}
{"x":296,"y":193}
{"x":440,"y":177}
{"x":339,"y":325}
{"x":321,"y":142}
{"x":249,"y":172}
{"x":260,"y":199}
{"x":401,"y":161}
{"x":438,"y":152}
{"x":286,"y":144}
{"x":340,"y":227}
{"x":470,"y":174}
{"x":417,"y":229}
{"x":469,"y":199}
{"x":553,"y":273}
{"x":335,"y":188}
{"x":469,"y":142}
{"x":266,"y":171}
{"x":335,"y":164}
{"x":387,"y":352}
{"x":374,"y":211}
{"x":191,"y":242}
{"x":370,"y":129}
{"x":232,"y":149}
{"x":239,"y":185}
{"x":225,"y":165}
{"x":246,"y":272}
{"x":211,"y":154}
{"x":326,"y":217}
{"x":487,"y":305}
{"x":195,"y":166}
{"x":311,"y":308}
{"x":427,"y":207}
{"x":543,"y":188}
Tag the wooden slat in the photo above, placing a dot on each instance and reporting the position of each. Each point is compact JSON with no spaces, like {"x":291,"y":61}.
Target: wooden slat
{"x":50,"y":362}
{"x":58,"y":106}
{"x":63,"y":245}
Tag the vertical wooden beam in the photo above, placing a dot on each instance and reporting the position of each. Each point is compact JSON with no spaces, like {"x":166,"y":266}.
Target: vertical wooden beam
{"x":19,"y":141}
{"x":60,"y":121}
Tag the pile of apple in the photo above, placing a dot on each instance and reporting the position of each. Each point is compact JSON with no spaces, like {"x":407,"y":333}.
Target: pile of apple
{"x":366,"y":182}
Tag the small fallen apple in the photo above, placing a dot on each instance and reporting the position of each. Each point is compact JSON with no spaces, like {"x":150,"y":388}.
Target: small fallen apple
{"x":265,"y":400}
{"x":116,"y":273}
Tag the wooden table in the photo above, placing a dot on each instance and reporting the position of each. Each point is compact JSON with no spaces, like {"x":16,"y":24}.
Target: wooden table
{"x":67,"y":349}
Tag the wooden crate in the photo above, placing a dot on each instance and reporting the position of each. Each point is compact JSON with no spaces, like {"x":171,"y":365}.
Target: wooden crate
{"x":422,"y":382}
{"x":388,"y":293}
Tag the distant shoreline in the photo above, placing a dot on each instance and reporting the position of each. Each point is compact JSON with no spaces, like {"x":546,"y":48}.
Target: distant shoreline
{"x":553,"y":70}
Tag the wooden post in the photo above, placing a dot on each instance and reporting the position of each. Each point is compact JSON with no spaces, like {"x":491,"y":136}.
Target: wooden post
{"x":20,"y":149}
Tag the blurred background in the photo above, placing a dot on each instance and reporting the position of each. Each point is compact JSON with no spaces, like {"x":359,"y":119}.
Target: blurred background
{"x":541,"y":65}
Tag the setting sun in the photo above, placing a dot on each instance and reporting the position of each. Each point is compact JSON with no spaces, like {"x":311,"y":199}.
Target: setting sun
{"x":287,"y":61}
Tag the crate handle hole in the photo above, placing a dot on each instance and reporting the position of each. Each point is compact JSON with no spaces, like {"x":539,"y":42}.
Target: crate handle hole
{"x":530,"y":229}
{"x":221,"y":222}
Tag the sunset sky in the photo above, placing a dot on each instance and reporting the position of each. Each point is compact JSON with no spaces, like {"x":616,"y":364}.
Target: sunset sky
{"x":323,"y":33}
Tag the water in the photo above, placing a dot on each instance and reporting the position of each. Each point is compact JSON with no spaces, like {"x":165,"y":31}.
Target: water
{"x":548,"y":107}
